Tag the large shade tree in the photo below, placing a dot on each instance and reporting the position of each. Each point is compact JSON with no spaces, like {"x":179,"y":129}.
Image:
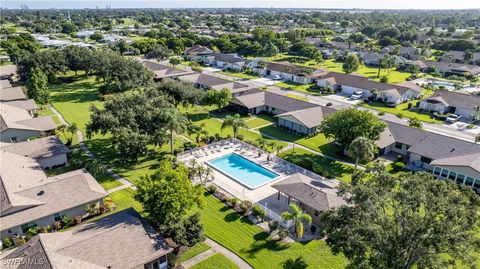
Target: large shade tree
{"x":181,"y":93}
{"x":37,"y":87}
{"x":351,"y":64}
{"x":408,"y":221}
{"x":348,"y":124}
{"x":220,"y":99}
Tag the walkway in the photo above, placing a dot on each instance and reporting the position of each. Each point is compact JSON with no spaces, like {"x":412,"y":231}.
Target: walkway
{"x":125,"y":183}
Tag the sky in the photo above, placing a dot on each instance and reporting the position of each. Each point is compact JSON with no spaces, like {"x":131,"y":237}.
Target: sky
{"x":342,"y":4}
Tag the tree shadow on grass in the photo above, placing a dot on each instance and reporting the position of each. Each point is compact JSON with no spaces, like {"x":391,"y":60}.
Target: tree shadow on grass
{"x":231,"y":217}
{"x":224,"y":209}
{"x":264,"y":242}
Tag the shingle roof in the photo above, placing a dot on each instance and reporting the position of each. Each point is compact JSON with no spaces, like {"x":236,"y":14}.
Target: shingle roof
{"x":310,"y":192}
{"x":29,"y":104}
{"x":17,"y":118}
{"x":309,"y":117}
{"x":7,"y":70}
{"x":12,"y":93}
{"x":214,"y":82}
{"x":44,"y":147}
{"x":451,"y":67}
{"x":163,"y":71}
{"x":228,"y":58}
{"x":454,"y":99}
{"x":196,"y":50}
{"x":5,"y":83}
{"x":120,"y":240}
{"x":282,"y":102}
{"x":297,"y":70}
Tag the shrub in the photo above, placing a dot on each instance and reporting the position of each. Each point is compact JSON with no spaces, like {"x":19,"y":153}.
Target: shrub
{"x":7,"y":242}
{"x":66,"y":221}
{"x":232,"y":202}
{"x":44,"y":229}
{"x":217,"y":137}
{"x":384,"y":79}
{"x":20,"y":241}
{"x":197,"y":68}
{"x":313,"y":229}
{"x":31,"y":232}
{"x":282,"y":234}
{"x":317,"y":168}
{"x":57,"y":225}
{"x":400,"y":158}
{"x":240,"y":137}
{"x":212,"y":189}
{"x":103,"y":209}
{"x":273,"y":225}
{"x":326,"y":174}
{"x":221,"y":196}
{"x":258,"y":212}
{"x":381,"y":113}
{"x":77,"y":220}
{"x":399,"y":115}
{"x":244,"y":207}
{"x":398,"y":166}
{"x":409,"y":105}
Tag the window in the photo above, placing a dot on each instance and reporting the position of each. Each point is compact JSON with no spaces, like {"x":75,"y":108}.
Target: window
{"x":13,"y":139}
{"x":452,"y":175}
{"x":267,"y":107}
{"x":476,"y":184}
{"x":163,"y":259}
{"x":444,"y":173}
{"x":316,"y":213}
{"x":437,"y":170}
{"x":273,"y":109}
{"x":57,"y":217}
{"x":398,"y":145}
{"x":426,"y":160}
{"x":460,"y":178}
{"x":469,"y":181}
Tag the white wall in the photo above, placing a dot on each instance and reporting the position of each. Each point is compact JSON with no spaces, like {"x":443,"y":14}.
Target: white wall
{"x":22,"y":135}
{"x":50,"y":162}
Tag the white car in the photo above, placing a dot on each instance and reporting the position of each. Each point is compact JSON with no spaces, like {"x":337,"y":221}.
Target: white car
{"x":452,"y":118}
{"x":357,"y":95}
{"x":277,"y":77}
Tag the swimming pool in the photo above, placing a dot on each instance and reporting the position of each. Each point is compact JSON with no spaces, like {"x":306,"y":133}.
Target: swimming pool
{"x":245,"y":172}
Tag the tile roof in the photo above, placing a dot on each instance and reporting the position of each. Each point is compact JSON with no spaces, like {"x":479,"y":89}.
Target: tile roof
{"x":120,"y":240}
{"x":454,"y":99}
{"x":310,"y":192}
{"x":44,"y":147}
{"x":12,"y":93}
{"x":163,"y":71}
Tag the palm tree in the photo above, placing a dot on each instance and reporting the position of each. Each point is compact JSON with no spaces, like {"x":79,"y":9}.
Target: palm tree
{"x":362,"y":150}
{"x":175,"y":122}
{"x":62,"y":128}
{"x":208,"y":173}
{"x":298,"y":263}
{"x":235,"y":122}
{"x":262,"y":143}
{"x":298,"y":217}
{"x":197,"y":130}
{"x":72,"y":129}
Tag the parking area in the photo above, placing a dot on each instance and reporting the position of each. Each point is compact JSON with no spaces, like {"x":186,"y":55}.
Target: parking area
{"x":267,"y":81}
{"x":463,"y":126}
{"x":342,"y":98}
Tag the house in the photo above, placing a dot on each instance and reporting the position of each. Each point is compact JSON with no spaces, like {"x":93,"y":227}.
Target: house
{"x":121,"y":240}
{"x":448,"y":69}
{"x":446,"y":157}
{"x":225,"y":61}
{"x":373,"y":58}
{"x":5,"y":83}
{"x":11,"y":93}
{"x":451,"y":102}
{"x":29,"y":105}
{"x":456,"y":56}
{"x":162,"y":71}
{"x":304,"y":121}
{"x":312,"y":196}
{"x":197,"y":53}
{"x":350,"y":83}
{"x":7,"y":71}
{"x":48,"y":151}
{"x":291,"y":72}
{"x":409,"y":53}
{"x":18,"y":125}
{"x":30,"y":198}
{"x":208,"y":82}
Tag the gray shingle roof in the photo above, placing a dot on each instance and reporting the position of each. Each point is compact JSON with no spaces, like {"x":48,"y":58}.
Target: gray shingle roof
{"x":454,"y":99}
{"x":5,"y":83}
{"x":197,"y":50}
{"x":120,"y":240}
{"x":17,"y":118}
{"x":289,"y":68}
{"x":310,"y":192}
{"x":228,"y":58}
{"x":214,"y":82}
{"x":163,"y":71}
{"x":260,"y":98}
{"x":29,"y":104}
{"x":44,"y":147}
{"x":11,"y":93}
{"x":309,"y":117}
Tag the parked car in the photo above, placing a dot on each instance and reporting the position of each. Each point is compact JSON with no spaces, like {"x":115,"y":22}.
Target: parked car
{"x":277,"y":77}
{"x":357,"y":95}
{"x":452,"y":118}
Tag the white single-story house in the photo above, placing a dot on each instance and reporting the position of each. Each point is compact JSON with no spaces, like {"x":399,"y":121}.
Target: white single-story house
{"x":291,"y":72}
{"x":162,"y":71}
{"x":121,"y":240}
{"x":451,"y":102}
{"x":207,"y":82}
{"x":350,"y":83}
{"x":225,"y":61}
{"x":447,"y":68}
{"x":197,"y":53}
{"x":304,"y":121}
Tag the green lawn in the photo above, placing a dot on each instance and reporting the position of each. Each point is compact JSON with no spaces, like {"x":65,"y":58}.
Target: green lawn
{"x":306,"y":88}
{"x":255,"y":122}
{"x":298,"y":97}
{"x":49,"y":112}
{"x":194,"y":251}
{"x":255,"y":246}
{"x":333,"y":168}
{"x":124,"y":199}
{"x":403,"y":109}
{"x":238,"y":74}
{"x":217,"y":261}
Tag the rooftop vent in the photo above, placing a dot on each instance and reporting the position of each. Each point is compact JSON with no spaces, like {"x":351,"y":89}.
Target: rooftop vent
{"x":40,"y":193}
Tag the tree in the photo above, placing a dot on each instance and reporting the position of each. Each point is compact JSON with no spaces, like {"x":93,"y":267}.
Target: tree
{"x":77,"y":57}
{"x":168,"y":194}
{"x":196,"y":130}
{"x":37,"y":87}
{"x":175,"y":122}
{"x":361,"y":150}
{"x":298,"y":217}
{"x":415,"y":123}
{"x":412,"y":220}
{"x":351,"y":64}
{"x":186,"y":232}
{"x":298,"y":263}
{"x":160,"y":53}
{"x":97,"y":36}
{"x":220,"y":98}
{"x":235,"y":121}
{"x":348,"y":124}
{"x":467,"y":56}
{"x":181,"y":92}
{"x":68,"y":28}
{"x":174,"y":61}
{"x":72,"y":129}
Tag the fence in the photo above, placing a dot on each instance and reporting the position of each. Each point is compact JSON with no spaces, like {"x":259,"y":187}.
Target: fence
{"x":274,"y":216}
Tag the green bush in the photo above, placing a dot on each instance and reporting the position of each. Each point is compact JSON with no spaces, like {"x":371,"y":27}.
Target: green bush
{"x":7,"y":242}
{"x":212,"y":189}
{"x":240,"y":137}
{"x":398,"y":166}
{"x":258,"y":212}
{"x":273,"y":225}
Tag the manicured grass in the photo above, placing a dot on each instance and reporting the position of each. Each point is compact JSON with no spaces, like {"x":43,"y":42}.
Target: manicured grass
{"x":217,"y":261}
{"x":194,"y":251}
{"x":256,"y":122}
{"x":333,"y":168}
{"x":124,"y":199}
{"x":306,"y":88}
{"x":255,"y":246}
{"x":49,"y":112}
{"x":403,"y":109}
{"x":238,"y":74}
{"x":298,"y":97}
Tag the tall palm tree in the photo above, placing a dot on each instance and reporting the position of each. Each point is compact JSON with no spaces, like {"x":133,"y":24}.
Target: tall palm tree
{"x":175,"y":122}
{"x":362,"y":150}
{"x":72,"y":129}
{"x":298,"y":217}
{"x":196,"y":130}
{"x":235,"y":122}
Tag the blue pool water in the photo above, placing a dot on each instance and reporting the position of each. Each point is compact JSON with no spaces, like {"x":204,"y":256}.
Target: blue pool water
{"x":243,"y":171}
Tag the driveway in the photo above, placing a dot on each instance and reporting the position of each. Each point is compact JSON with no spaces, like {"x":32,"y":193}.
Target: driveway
{"x":265,"y":81}
{"x":341,"y":98}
